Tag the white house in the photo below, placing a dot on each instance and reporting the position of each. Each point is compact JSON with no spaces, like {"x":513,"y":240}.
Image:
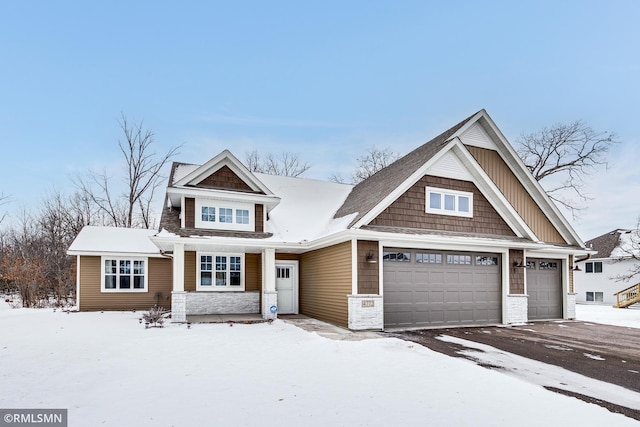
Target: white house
{"x":599,"y":276}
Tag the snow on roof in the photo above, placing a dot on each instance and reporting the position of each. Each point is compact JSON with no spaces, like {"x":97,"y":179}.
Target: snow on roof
{"x":93,"y":239}
{"x":628,"y":244}
{"x":182,"y":170}
{"x":306,"y":208}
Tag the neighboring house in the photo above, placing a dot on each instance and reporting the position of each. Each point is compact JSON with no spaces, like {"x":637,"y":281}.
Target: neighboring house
{"x":457,"y":232}
{"x":596,"y":281}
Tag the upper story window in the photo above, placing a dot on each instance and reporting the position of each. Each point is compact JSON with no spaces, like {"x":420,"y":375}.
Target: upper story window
{"x":593,"y":267}
{"x":223,"y":215}
{"x":123,"y":275}
{"x":449,"y":202}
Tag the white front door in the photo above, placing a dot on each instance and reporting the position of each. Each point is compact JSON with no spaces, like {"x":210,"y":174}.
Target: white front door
{"x":286,"y":286}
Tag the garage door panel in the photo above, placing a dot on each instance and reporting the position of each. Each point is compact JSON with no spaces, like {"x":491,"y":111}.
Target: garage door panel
{"x":442,"y":294}
{"x":544,"y":287}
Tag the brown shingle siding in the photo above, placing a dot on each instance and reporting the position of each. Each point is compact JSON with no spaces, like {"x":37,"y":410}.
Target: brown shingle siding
{"x":189,"y":212}
{"x":409,"y":210}
{"x":368,"y":273}
{"x":516,"y":274}
{"x":224,"y":179}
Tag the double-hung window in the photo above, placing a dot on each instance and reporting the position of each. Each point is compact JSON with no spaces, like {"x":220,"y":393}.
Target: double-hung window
{"x":449,"y":202}
{"x":220,"y":272}
{"x":123,"y":275}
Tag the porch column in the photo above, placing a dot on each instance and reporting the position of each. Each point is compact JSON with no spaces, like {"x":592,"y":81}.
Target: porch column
{"x":269,"y":294}
{"x":178,"y":295}
{"x":178,"y":267}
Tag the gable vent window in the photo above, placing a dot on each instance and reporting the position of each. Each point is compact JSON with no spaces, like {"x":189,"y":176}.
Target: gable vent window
{"x":449,"y":202}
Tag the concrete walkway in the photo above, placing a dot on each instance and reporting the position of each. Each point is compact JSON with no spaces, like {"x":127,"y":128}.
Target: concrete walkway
{"x":328,"y":330}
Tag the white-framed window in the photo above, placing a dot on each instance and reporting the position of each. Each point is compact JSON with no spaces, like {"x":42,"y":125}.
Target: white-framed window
{"x":593,"y":267}
{"x":220,"y":272}
{"x":595,"y":296}
{"x":224,"y":215}
{"x":208,"y":213}
{"x":121,"y":274}
{"x":242,"y":216}
{"x":449,"y":202}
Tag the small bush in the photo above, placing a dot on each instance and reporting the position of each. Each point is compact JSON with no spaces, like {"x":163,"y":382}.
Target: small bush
{"x":154,"y":317}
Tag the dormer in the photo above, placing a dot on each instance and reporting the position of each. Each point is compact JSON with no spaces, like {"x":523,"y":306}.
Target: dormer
{"x":221,"y":195}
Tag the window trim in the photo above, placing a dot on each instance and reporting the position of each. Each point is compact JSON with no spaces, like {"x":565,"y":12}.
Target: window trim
{"x":593,"y":265}
{"x":446,"y":192}
{"x":213,"y":287}
{"x":103,"y":273}
{"x":234,"y":207}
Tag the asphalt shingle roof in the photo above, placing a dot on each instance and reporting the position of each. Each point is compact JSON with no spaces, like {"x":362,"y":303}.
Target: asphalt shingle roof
{"x":369,"y":193}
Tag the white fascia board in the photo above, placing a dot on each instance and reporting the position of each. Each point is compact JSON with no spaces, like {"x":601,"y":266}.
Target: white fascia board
{"x":226,"y":158}
{"x":166,"y":243}
{"x":270,"y":200}
{"x":511,"y":158}
{"x":118,"y":254}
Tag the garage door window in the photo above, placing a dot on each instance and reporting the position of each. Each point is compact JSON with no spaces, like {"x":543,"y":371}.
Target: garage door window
{"x":548,"y":265}
{"x":531,"y":265}
{"x":397,"y":256}
{"x":486,"y":260}
{"x":459,"y":259}
{"x":429,"y":258}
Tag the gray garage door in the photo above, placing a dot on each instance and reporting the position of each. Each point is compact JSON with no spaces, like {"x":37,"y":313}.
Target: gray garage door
{"x":429,"y":288}
{"x":544,"y":286}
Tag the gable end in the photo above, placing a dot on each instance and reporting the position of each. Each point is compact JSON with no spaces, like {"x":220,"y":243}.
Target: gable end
{"x":225,"y":179}
{"x":513,"y":190}
{"x":408,"y":210}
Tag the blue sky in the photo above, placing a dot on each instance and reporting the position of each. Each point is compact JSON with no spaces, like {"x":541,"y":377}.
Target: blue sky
{"x":324,"y":79}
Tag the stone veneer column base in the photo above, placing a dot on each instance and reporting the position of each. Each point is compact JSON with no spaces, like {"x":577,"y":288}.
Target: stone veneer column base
{"x":517,"y":309}
{"x":178,"y":307}
{"x":269,"y":299}
{"x":366,"y":312}
{"x":571,"y":306}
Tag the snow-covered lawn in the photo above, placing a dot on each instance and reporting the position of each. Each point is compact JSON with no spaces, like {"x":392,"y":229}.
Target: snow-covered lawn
{"x":608,"y":315}
{"x":108,"y":370}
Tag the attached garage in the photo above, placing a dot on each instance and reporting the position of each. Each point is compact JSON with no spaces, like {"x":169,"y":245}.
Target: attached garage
{"x":544,"y":287}
{"x":439,"y":288}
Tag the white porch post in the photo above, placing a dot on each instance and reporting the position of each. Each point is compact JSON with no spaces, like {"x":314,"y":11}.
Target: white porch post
{"x":269,"y":294}
{"x":178,"y":295}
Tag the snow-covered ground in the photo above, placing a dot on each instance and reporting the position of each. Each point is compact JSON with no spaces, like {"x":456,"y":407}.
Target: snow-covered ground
{"x":608,"y":315}
{"x":108,"y":370}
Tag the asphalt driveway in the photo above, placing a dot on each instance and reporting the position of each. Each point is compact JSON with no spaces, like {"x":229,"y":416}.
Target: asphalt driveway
{"x":603,"y":352}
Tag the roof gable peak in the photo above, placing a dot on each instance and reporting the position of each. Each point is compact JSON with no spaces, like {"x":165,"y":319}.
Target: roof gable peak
{"x":223,"y":160}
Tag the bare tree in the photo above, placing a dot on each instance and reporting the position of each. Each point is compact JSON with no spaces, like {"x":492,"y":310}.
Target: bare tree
{"x":564,"y":155}
{"x":286,"y":164}
{"x":143,"y":176}
{"x":3,"y":201}
{"x":371,"y":162}
{"x":628,"y":249}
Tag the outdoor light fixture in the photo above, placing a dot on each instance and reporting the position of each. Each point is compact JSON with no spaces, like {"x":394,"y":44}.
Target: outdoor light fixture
{"x":371,"y":257}
{"x":576,"y":268}
{"x":519,"y":264}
